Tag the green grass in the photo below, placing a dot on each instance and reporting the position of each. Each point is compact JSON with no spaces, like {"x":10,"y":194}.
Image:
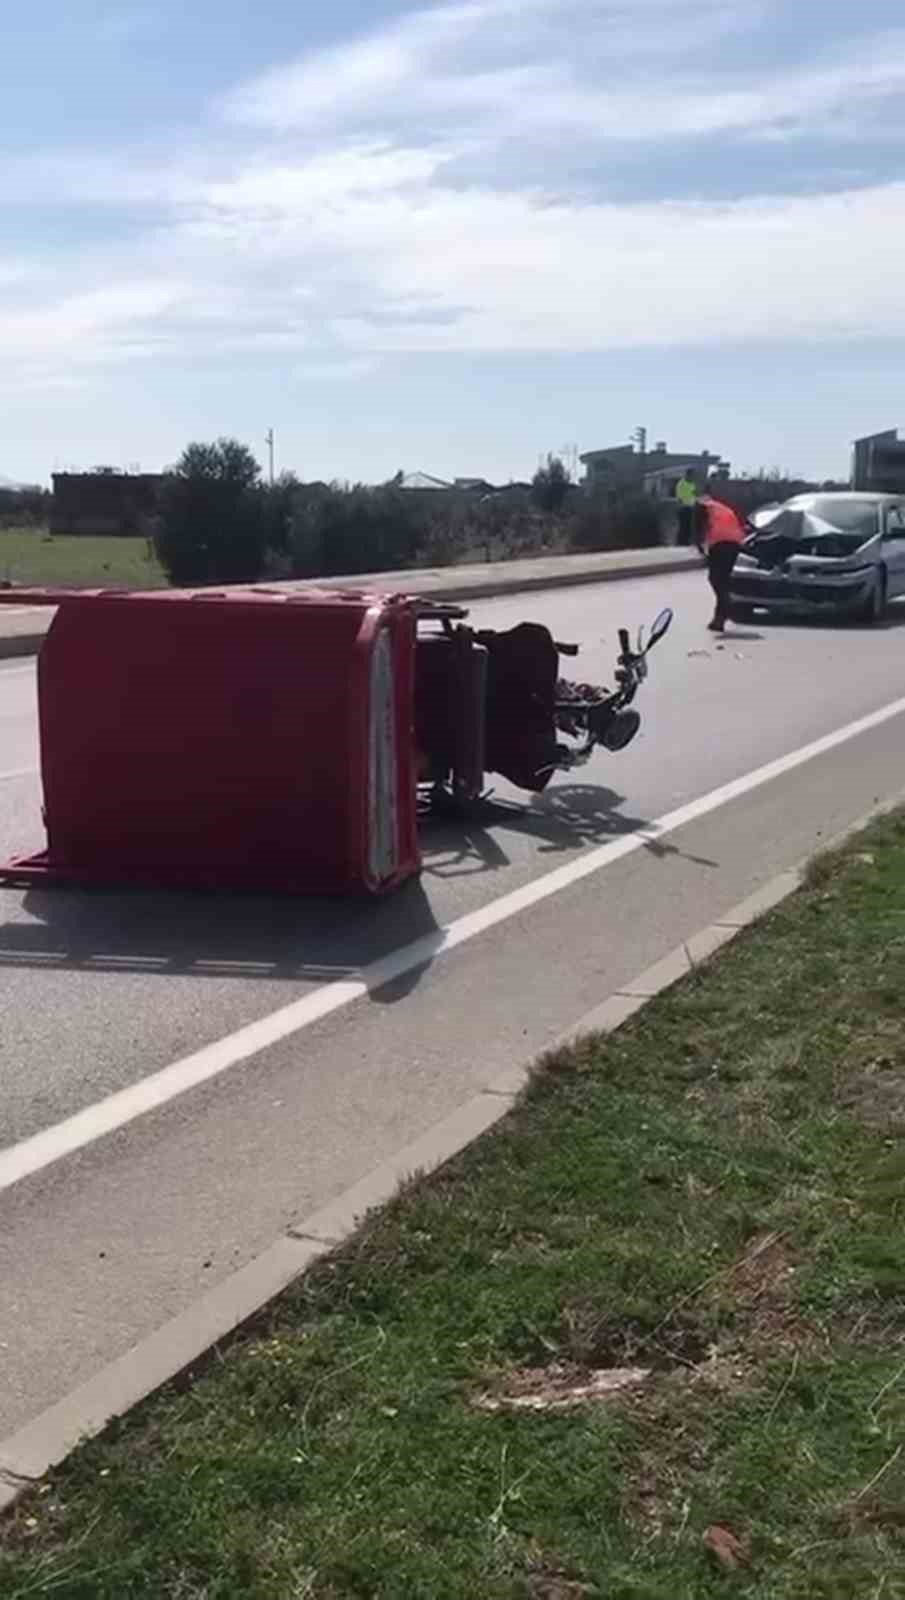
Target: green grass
{"x":715,"y":1194}
{"x":32,"y":556}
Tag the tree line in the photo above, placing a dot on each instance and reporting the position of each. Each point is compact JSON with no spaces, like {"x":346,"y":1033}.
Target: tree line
{"x":219,"y":521}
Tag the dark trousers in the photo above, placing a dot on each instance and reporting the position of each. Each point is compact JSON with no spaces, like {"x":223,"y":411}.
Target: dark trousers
{"x":721,"y":559}
{"x":686,"y":524}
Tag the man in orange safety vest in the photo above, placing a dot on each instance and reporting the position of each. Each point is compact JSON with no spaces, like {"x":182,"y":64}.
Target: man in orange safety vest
{"x":720,"y":532}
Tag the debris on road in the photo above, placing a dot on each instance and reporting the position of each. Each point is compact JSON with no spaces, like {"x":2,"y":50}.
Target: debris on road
{"x":730,"y":1552}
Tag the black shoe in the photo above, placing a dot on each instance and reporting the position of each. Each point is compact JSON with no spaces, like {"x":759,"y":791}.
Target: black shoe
{"x":717,"y":625}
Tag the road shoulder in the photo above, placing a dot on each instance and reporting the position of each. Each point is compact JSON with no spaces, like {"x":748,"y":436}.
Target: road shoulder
{"x":655,"y":1191}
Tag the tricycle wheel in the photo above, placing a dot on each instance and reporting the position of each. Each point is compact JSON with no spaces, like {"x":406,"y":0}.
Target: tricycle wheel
{"x":874,"y":607}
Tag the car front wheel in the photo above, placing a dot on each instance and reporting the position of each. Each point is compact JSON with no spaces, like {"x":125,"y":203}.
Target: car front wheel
{"x":874,"y":608}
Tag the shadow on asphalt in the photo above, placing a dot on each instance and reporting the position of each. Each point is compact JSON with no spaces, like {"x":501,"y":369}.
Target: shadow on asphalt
{"x":564,"y":818}
{"x":573,"y":814}
{"x":211,"y":936}
{"x":141,"y":932}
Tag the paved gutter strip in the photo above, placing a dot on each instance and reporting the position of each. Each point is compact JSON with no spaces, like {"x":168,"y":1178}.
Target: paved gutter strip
{"x":49,"y":1437}
{"x":686,"y":958}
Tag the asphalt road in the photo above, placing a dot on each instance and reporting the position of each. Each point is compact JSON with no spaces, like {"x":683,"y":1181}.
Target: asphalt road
{"x":102,"y":991}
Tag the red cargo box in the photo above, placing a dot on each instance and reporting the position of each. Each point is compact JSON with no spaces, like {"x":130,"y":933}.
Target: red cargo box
{"x":244,"y":739}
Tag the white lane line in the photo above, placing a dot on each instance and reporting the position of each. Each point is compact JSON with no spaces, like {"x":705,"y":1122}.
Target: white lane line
{"x":75,"y":1133}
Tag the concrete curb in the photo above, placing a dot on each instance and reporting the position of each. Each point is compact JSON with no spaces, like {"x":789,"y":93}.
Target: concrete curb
{"x":434,"y":583}
{"x":579,"y":578}
{"x":28,"y":1454}
{"x":686,"y":958}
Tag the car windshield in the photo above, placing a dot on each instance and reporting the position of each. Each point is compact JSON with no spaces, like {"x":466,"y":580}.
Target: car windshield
{"x":849,"y":516}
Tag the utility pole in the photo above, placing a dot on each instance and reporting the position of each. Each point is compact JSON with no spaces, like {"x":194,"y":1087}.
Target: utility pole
{"x":268,"y":437}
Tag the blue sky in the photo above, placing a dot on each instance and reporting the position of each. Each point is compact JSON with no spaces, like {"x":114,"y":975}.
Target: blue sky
{"x":450,"y":237}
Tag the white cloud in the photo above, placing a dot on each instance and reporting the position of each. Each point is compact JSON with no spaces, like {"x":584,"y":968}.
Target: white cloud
{"x":501,"y":66}
{"x":436,"y":270}
{"x":96,"y":323}
{"x":13,"y":274}
{"x":512,"y":274}
{"x":352,"y":77}
{"x":446,"y":57}
{"x":339,"y":175}
{"x":601,"y":69}
{"x":400,"y":194}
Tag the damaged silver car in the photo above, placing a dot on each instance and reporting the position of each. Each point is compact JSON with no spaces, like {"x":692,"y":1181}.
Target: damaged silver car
{"x":823,"y":553}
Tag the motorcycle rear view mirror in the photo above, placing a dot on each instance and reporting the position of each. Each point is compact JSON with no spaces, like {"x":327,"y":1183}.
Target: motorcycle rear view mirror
{"x":661,"y":626}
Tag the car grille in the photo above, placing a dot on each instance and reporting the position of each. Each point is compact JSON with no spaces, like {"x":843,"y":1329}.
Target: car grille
{"x":764,"y":589}
{"x":823,"y":593}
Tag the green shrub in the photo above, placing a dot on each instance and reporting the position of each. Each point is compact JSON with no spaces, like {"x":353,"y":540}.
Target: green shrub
{"x":550,"y":485}
{"x":334,"y":530}
{"x":619,"y":520}
{"x":215,"y":519}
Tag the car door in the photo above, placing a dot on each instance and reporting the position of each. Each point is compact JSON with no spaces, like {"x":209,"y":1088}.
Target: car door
{"x":894,"y":549}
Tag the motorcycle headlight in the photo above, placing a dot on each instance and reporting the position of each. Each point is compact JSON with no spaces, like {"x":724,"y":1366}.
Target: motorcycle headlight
{"x":621,"y":731}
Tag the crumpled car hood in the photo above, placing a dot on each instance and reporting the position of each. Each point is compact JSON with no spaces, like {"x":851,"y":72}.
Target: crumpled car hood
{"x":800,"y":536}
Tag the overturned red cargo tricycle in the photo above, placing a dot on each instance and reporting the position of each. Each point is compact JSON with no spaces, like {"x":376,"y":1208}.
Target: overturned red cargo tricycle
{"x":286,"y":740}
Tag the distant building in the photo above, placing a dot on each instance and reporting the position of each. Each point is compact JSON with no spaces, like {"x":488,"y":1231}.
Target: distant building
{"x":423,"y":483}
{"x":426,"y":483}
{"x":656,"y":471}
{"x":105,"y":502}
{"x":474,"y":486}
{"x":878,"y":462}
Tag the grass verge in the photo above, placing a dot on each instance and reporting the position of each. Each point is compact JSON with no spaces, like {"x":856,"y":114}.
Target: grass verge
{"x":645,"y":1340}
{"x":32,"y":555}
